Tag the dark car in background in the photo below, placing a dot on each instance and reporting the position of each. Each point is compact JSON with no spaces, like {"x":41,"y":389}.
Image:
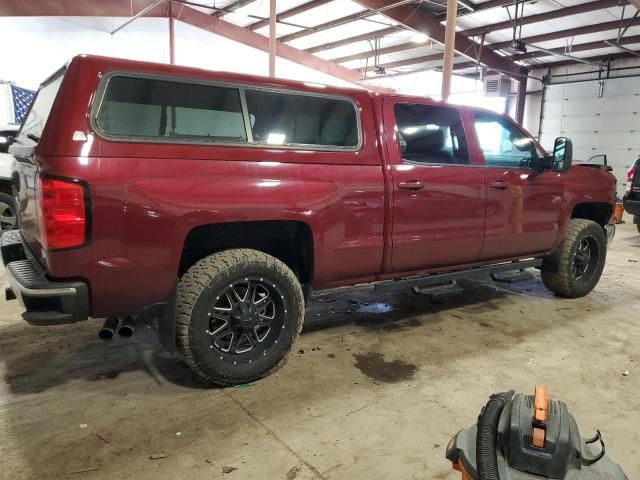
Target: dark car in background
{"x":632,"y":197}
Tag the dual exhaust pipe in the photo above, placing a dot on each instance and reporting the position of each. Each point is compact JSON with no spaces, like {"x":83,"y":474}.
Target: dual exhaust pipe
{"x":123,"y":326}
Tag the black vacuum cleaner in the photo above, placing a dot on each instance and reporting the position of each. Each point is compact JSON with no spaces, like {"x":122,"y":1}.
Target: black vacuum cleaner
{"x":529,"y":437}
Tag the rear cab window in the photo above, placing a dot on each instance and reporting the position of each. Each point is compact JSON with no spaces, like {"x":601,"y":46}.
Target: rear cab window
{"x":430,"y":134}
{"x":152,"y":109}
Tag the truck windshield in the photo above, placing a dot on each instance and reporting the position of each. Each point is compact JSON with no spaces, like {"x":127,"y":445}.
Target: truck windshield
{"x":33,"y":125}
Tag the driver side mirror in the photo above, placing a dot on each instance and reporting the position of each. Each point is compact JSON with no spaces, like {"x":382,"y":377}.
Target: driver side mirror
{"x":562,"y":155}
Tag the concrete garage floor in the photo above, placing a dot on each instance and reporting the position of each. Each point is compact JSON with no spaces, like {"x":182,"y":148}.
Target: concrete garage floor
{"x":367,"y":393}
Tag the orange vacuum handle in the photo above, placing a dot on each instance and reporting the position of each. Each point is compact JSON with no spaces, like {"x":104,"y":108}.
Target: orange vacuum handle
{"x":459,"y":467}
{"x":540,"y":414}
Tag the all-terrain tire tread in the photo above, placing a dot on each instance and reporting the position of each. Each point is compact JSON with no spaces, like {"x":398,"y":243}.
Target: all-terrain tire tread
{"x":560,"y":281}
{"x":198,"y":277}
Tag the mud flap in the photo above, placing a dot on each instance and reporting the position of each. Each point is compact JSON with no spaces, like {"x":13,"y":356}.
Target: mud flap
{"x":167,"y":325}
{"x":551,"y":261}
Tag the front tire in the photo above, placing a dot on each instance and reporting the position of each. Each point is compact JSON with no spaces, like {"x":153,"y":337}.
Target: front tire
{"x":574,"y":269}
{"x":238,"y":312}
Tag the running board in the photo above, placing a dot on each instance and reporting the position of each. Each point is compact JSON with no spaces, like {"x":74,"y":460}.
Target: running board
{"x":440,"y":278}
{"x":513,"y":276}
{"x":439,"y":292}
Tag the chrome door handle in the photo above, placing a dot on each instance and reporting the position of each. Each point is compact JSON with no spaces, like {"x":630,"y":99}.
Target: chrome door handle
{"x":412,"y":185}
{"x":499,"y":184}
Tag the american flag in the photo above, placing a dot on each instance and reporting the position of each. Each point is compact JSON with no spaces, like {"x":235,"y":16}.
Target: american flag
{"x":22,"y":99}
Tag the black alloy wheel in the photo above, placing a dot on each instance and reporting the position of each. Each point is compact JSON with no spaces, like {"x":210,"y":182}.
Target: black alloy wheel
{"x":244,"y":317}
{"x":584,"y":257}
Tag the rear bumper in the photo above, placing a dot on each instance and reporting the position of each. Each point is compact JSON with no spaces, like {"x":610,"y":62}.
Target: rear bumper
{"x":631,"y":205}
{"x":46,"y":302}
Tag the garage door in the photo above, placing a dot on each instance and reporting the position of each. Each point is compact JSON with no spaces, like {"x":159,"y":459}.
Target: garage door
{"x":609,"y":123}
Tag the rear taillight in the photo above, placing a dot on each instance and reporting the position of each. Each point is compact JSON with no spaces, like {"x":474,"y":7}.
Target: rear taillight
{"x":630,"y":173}
{"x":62,"y":213}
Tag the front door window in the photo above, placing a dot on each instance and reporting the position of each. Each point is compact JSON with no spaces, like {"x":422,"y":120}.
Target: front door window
{"x":502,"y":143}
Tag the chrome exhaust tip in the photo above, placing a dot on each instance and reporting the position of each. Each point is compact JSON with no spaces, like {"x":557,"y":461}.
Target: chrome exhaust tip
{"x":109,"y":328}
{"x":127,"y":327}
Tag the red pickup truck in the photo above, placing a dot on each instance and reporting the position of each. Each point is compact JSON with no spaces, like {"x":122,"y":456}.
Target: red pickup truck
{"x":215,"y":202}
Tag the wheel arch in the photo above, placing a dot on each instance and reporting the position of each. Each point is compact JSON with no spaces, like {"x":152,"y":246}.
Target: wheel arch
{"x":290,"y":241}
{"x":599,"y":212}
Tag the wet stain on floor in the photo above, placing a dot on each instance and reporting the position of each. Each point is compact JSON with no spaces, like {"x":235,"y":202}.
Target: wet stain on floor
{"x":374,"y":366}
{"x":387,"y":324}
{"x":377,"y":308}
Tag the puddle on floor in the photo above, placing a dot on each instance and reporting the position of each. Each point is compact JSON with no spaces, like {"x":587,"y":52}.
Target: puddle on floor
{"x":377,"y":308}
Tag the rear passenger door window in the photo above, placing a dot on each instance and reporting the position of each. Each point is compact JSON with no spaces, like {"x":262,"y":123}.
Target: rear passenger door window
{"x":281,"y":118}
{"x":430,"y":134}
{"x":171,"y":110}
{"x":502,"y":143}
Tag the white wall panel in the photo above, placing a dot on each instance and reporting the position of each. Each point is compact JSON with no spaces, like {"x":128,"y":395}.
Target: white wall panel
{"x":608,"y":124}
{"x":47,"y":43}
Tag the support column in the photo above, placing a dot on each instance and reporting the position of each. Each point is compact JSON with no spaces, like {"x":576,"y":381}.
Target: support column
{"x":449,"y":48}
{"x":522,"y":97}
{"x":172,"y":42}
{"x":272,"y":38}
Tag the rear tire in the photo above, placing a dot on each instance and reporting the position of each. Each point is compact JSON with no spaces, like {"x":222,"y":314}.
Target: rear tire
{"x":238,"y":312}
{"x":574,"y":269}
{"x":8,"y":218}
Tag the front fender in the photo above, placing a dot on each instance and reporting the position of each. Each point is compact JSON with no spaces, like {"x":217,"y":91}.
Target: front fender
{"x":586,"y":186}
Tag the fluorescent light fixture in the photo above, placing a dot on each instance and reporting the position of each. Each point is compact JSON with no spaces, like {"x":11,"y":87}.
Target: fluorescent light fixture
{"x":420,"y":38}
{"x":410,"y":130}
{"x":432,"y":127}
{"x":276,"y":138}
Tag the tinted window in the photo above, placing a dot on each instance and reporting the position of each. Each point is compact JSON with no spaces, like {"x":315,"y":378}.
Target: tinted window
{"x":503,"y":144}
{"x":430,"y":134}
{"x":39,"y":113}
{"x":142,"y":107}
{"x":285,"y":118}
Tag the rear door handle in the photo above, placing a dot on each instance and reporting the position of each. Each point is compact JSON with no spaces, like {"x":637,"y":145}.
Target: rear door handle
{"x":499,"y":184}
{"x":413,"y":185}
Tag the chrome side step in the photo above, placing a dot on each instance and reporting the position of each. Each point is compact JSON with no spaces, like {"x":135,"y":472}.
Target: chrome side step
{"x":438,"y":292}
{"x":447,"y":277}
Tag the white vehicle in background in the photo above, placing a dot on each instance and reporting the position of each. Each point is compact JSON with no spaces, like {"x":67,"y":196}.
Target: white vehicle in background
{"x":14,"y":103}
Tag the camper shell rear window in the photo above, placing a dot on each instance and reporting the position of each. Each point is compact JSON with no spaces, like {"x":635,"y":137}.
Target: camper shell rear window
{"x":38,"y":114}
{"x":132,"y":107}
